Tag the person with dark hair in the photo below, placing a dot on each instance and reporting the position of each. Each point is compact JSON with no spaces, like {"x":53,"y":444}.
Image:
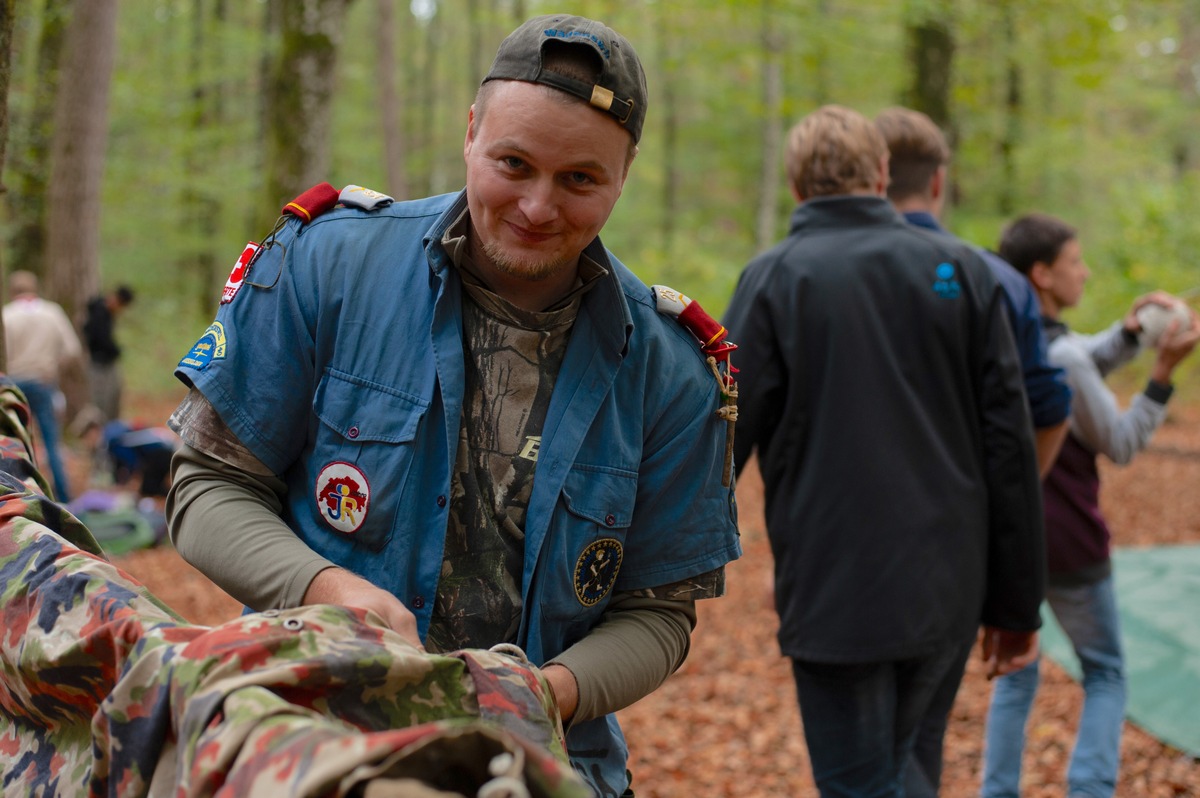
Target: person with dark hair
{"x":918,"y":168}
{"x":466,"y":415}
{"x":104,"y":370}
{"x":880,"y":387}
{"x":1080,"y":583}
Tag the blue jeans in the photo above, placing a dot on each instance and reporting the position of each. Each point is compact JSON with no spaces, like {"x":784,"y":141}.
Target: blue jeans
{"x":861,"y":719}
{"x":1088,"y":615}
{"x":41,"y":403}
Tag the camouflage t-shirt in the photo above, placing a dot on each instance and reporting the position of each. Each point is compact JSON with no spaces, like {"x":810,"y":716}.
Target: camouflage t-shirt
{"x":512,"y":358}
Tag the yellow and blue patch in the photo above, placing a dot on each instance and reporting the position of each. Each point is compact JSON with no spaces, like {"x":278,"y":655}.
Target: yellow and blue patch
{"x":596,"y":570}
{"x":210,"y":347}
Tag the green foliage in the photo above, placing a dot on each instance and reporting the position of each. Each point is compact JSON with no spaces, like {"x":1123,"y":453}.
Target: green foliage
{"x":1102,"y":133}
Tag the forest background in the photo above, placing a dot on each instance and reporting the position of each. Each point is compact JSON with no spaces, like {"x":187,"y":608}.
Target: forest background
{"x":148,"y":140}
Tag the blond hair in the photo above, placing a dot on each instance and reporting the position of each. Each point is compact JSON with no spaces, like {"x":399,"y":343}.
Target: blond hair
{"x":834,"y":150}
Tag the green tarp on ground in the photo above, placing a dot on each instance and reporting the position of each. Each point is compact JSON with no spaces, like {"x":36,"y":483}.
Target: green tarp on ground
{"x":1158,"y":598}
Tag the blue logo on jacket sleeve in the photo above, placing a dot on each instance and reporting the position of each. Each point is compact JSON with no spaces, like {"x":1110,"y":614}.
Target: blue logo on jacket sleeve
{"x":210,"y":347}
{"x":946,"y":286}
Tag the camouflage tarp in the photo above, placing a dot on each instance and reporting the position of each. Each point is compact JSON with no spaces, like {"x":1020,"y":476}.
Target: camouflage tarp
{"x":106,"y":691}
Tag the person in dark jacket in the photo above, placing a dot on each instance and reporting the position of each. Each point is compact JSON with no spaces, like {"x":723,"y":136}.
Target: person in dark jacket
{"x":919,"y":156}
{"x":104,"y":372}
{"x":881,"y":389}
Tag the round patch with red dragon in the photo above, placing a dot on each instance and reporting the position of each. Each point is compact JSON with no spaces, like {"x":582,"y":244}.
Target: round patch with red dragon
{"x":343,"y":496}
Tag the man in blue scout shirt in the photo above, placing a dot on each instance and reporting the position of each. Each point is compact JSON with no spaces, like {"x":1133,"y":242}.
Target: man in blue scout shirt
{"x":383,"y":380}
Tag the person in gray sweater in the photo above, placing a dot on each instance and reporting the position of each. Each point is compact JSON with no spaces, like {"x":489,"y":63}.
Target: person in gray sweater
{"x":1080,"y":583}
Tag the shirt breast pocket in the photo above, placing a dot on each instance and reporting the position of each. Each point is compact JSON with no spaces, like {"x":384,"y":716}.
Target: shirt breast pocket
{"x":589,"y":544}
{"x":362,"y":457}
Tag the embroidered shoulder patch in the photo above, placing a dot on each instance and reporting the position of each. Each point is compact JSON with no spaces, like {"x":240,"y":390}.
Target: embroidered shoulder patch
{"x":596,"y":570}
{"x":238,"y":275}
{"x":359,"y":197}
{"x":210,"y":347}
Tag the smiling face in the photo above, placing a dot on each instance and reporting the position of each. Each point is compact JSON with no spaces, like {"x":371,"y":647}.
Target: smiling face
{"x":544,"y":172}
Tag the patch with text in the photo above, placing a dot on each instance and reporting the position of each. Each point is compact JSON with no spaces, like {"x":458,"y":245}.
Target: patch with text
{"x":210,"y":347}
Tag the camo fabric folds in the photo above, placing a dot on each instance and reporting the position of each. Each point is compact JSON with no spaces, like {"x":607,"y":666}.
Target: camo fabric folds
{"x":105,"y":691}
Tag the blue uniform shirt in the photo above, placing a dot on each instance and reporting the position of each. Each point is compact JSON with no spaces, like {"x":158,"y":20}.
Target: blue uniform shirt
{"x":339,"y":363}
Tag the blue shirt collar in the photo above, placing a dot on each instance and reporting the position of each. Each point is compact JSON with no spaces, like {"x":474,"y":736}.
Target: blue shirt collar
{"x":923,"y":219}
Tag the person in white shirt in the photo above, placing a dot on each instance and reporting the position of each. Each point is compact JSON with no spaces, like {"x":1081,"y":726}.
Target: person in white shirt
{"x":40,"y":341}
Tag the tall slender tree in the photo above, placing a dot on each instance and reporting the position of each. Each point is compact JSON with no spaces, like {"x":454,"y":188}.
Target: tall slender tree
{"x":1010,"y":137}
{"x":1186,"y":155}
{"x":669,"y":113}
{"x":26,"y":196}
{"x":7,"y":9}
{"x":201,"y":208}
{"x":931,"y":54}
{"x":298,"y":94}
{"x":427,"y":101}
{"x":772,"y":127}
{"x":394,"y":145}
{"x":77,"y":148}
{"x":77,"y":154}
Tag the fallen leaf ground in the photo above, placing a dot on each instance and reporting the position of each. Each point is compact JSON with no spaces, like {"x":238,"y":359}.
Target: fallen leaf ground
{"x":727,"y":723}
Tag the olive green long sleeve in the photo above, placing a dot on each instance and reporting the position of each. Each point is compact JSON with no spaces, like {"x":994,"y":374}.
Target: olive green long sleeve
{"x":638,"y":644}
{"x":225,"y":522}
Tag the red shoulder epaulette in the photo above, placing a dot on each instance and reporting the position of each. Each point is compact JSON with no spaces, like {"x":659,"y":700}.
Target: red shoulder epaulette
{"x":312,"y":203}
{"x":687,"y":311}
{"x":710,"y":334}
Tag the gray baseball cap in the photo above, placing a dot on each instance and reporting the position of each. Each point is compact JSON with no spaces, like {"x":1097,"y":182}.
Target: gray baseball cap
{"x":620,"y":88}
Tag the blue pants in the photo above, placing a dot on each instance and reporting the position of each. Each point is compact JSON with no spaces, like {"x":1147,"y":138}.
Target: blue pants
{"x":861,"y":719}
{"x":41,"y":403}
{"x":1088,"y":615}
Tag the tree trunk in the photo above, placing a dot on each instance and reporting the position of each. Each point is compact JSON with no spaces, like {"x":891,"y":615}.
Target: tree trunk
{"x":7,"y":10}
{"x":1185,"y":157}
{"x":821,"y":79}
{"x":772,"y":132}
{"x":298,"y":94}
{"x":77,"y":150}
{"x":77,"y":155}
{"x":428,"y":94}
{"x":1006,"y":147}
{"x":931,"y":53}
{"x":670,"y":143}
{"x":931,"y":48}
{"x":475,"y":54}
{"x":394,"y":146}
{"x":200,"y":269}
{"x":26,"y":196}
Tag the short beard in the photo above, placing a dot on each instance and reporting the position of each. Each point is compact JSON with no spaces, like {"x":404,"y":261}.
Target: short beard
{"x":521,"y":268}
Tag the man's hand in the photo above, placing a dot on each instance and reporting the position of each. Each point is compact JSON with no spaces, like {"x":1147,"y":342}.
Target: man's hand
{"x":340,"y":587}
{"x":1131,"y":322}
{"x":1005,"y":651}
{"x":565,"y":688}
{"x":1176,"y":343}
